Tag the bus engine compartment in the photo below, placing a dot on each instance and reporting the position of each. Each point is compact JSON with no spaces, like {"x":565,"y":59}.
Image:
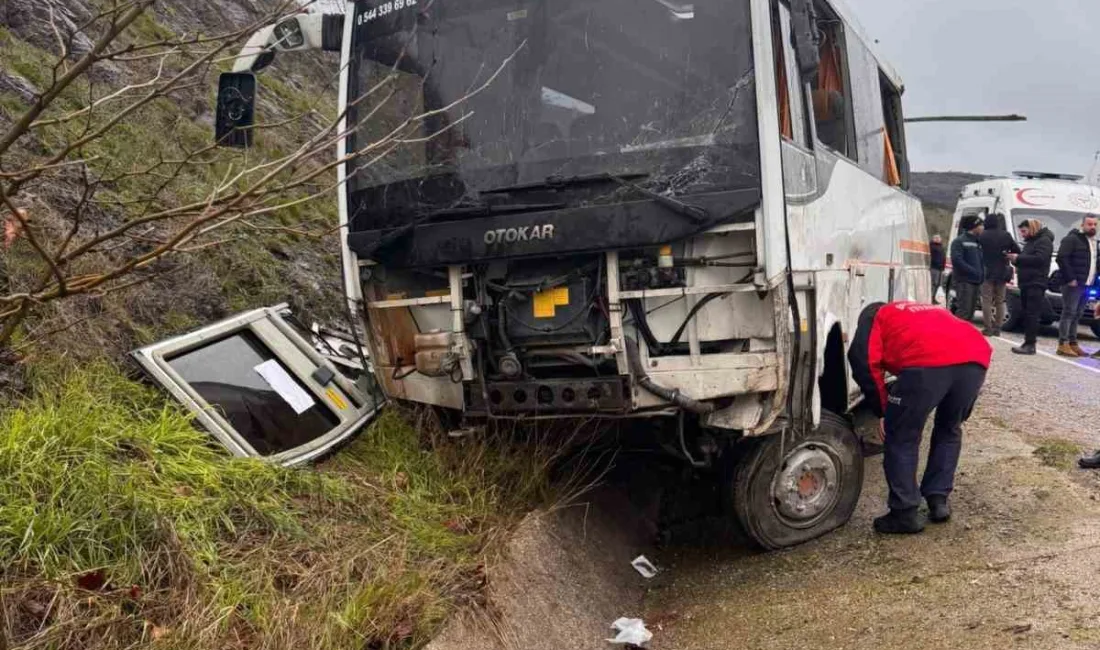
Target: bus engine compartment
{"x":650,"y":330}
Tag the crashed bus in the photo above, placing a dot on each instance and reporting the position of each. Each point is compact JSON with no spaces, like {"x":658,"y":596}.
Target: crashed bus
{"x":647,"y":209}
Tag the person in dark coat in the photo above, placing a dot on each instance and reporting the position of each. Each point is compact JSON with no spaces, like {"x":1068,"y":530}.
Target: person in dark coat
{"x":937,"y":265}
{"x":907,"y":340}
{"x":1077,"y":263}
{"x":1033,"y":269}
{"x":996,"y":242}
{"x":967,"y":267}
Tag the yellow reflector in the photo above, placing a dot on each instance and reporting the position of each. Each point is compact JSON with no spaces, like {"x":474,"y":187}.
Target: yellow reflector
{"x":336,"y":399}
{"x":547,"y":302}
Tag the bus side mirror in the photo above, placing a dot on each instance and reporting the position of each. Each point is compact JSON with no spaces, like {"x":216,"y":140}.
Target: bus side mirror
{"x":236,"y":109}
{"x":807,"y":46}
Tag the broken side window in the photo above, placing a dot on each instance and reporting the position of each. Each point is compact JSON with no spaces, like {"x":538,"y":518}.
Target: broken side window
{"x":262,"y":389}
{"x":792,"y":104}
{"x":831,"y":94}
{"x":896,"y":164}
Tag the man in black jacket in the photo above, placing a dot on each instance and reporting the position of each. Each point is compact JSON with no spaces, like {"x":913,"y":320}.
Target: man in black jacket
{"x":967,"y":267}
{"x":1033,"y":269}
{"x":937,"y":265}
{"x":996,"y":242}
{"x":1077,"y":264}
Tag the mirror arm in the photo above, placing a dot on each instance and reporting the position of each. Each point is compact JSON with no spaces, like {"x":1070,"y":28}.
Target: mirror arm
{"x":804,"y":36}
{"x":256,"y":51}
{"x":319,"y":32}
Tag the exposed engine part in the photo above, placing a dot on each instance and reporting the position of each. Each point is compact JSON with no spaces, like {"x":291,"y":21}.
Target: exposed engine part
{"x":670,"y":394}
{"x":510,"y":366}
{"x":434,"y":357}
{"x":472,"y":311}
{"x":609,"y":395}
{"x":665,"y":259}
{"x":643,"y":273}
{"x":667,"y":275}
{"x":562,"y":315}
{"x":571,"y":356}
{"x":684,"y":447}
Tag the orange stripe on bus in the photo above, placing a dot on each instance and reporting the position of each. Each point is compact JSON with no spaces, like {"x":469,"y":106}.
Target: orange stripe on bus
{"x":914,"y":246}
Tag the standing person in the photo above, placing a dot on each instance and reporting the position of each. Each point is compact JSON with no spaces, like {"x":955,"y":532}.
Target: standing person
{"x":938,"y":264}
{"x":996,"y":242}
{"x":967,"y":267}
{"x":1077,"y":263}
{"x":906,"y":339}
{"x":1033,"y":264}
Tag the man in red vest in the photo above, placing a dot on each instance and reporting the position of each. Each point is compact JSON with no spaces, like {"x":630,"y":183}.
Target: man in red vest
{"x":940,"y":364}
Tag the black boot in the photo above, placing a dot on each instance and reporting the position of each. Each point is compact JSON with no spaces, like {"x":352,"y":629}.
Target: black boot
{"x":939,"y":510}
{"x":1090,"y":462}
{"x":900,"y":522}
{"x":1026,"y":348}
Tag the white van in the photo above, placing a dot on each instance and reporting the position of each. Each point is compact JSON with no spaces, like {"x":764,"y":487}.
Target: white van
{"x":1060,"y":201}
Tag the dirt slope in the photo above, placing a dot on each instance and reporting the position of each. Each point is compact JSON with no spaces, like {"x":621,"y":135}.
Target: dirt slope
{"x":563,"y":578}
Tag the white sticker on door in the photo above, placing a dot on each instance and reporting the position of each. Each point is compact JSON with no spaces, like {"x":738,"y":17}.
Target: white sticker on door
{"x":283,"y":384}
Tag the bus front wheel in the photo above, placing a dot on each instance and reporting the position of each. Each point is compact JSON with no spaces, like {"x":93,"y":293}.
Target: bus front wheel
{"x":791,"y":489}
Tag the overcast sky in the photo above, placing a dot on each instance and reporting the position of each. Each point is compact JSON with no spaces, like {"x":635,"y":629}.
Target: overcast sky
{"x":1039,"y":58}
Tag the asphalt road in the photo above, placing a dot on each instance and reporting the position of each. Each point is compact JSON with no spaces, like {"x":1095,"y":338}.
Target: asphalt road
{"x":1016,"y":567}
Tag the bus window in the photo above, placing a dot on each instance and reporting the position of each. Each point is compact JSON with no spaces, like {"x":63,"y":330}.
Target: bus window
{"x":896,"y":164}
{"x":832,"y":103}
{"x":792,"y":105}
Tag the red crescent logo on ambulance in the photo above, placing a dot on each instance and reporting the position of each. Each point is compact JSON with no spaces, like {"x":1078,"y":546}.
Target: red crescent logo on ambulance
{"x":1035,"y":200}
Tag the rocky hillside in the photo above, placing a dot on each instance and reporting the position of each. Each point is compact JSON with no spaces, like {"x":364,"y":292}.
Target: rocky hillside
{"x":939,"y":191}
{"x":292,"y":257}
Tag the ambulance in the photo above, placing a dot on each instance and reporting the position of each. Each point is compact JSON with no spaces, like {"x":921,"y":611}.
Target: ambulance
{"x":1060,"y":201}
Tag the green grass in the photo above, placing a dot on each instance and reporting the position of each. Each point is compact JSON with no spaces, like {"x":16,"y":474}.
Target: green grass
{"x":1061,"y":454}
{"x":119,"y":522}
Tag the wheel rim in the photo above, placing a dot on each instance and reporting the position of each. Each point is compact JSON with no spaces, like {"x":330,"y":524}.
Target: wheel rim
{"x":806,"y":487}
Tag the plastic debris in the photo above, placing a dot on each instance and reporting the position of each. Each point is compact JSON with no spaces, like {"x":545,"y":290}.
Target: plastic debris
{"x":631,"y":631}
{"x":643,"y":566}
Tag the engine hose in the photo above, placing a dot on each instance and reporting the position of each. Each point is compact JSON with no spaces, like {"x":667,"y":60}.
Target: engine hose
{"x":637,"y":310}
{"x":669,"y":394}
{"x":691,"y":314}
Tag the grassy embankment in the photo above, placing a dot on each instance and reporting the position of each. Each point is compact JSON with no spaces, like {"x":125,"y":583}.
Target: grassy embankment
{"x":121,"y":524}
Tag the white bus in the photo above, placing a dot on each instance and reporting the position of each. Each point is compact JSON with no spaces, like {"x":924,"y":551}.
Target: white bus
{"x":648,"y":209}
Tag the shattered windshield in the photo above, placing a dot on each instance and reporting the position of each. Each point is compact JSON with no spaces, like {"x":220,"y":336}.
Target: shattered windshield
{"x":485,"y":93}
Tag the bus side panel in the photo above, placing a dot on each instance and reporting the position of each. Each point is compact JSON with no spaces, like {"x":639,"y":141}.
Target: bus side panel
{"x":865,"y":241}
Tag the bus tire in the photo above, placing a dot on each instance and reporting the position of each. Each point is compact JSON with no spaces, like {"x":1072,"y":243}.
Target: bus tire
{"x":790,"y":495}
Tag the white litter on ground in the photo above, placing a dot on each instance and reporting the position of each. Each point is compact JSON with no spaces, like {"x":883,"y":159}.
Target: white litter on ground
{"x":644,"y":567}
{"x":630,"y":631}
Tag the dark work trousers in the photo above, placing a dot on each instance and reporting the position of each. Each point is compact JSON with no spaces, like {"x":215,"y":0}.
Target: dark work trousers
{"x":966,"y":297}
{"x":1031,"y":301}
{"x":950,"y":391}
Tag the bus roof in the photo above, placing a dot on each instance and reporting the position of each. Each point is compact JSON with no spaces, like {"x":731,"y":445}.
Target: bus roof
{"x":855,"y":28}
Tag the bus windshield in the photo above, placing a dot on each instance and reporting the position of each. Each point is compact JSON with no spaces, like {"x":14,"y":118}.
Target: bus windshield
{"x":449,"y":98}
